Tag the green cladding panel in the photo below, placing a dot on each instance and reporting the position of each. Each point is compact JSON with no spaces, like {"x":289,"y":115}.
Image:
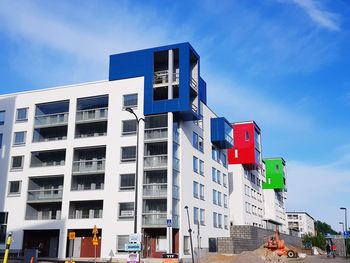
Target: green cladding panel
{"x":275,"y":174}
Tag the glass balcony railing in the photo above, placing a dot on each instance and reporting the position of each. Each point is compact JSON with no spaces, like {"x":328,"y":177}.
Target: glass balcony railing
{"x":92,"y":114}
{"x":156,"y":161}
{"x":89,"y":166}
{"x":51,"y":119}
{"x":48,"y":163}
{"x":86,"y":214}
{"x":45,"y":215}
{"x":161,"y":78}
{"x":154,"y":219}
{"x":156,"y":134}
{"x":155,"y":190}
{"x":45,"y":195}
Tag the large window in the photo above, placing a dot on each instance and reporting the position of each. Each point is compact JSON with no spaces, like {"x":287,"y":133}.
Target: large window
{"x":17,"y":162}
{"x":195,"y":140}
{"x":195,"y":164}
{"x":225,"y":201}
{"x":14,"y":187}
{"x":215,"y":201}
{"x":201,"y":167}
{"x":218,"y":177}
{"x":220,"y":220}
{"x":215,"y":219}
{"x":128,"y":154}
{"x":19,"y":138}
{"x":121,"y":241}
{"x":2,"y":117}
{"x":201,"y":191}
{"x":126,"y":210}
{"x":127,"y":182}
{"x":195,"y":215}
{"x":130,"y":100}
{"x":129,"y":127}
{"x":224,"y":180}
{"x":202,"y":216}
{"x":195,"y":189}
{"x":219,"y":198}
{"x":22,"y":114}
{"x":226,"y":222}
{"x":213,"y":174}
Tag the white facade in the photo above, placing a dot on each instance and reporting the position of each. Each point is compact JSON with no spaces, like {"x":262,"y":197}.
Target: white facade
{"x":246,"y":196}
{"x":302,"y":222}
{"x":28,"y":209}
{"x":275,"y":210}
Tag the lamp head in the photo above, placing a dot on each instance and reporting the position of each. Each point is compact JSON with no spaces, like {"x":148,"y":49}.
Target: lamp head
{"x":129,"y":110}
{"x":343,"y":208}
{"x":341,"y":223}
{"x":186,"y":207}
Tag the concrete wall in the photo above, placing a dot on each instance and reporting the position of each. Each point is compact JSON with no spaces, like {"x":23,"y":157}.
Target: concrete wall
{"x":248,"y":238}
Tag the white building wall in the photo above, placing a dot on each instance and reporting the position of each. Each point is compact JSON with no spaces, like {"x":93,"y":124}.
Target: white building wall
{"x":275,"y":208}
{"x":305,"y":223}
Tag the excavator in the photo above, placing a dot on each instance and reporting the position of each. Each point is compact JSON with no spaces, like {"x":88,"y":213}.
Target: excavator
{"x":274,"y":243}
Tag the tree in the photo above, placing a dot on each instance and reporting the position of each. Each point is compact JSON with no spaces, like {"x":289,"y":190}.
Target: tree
{"x":316,"y":241}
{"x":323,"y":228}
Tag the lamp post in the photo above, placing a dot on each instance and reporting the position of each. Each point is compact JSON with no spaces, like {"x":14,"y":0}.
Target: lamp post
{"x":137,"y":164}
{"x":190,"y":232}
{"x":342,"y":224}
{"x":346,"y":229}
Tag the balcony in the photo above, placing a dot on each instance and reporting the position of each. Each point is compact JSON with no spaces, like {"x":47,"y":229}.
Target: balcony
{"x":156,"y":134}
{"x":51,"y":120}
{"x":155,"y":190}
{"x":50,"y":195}
{"x":154,"y":219}
{"x":88,"y":182}
{"x":86,"y":209}
{"x":45,"y":215}
{"x":48,"y":158}
{"x":89,"y":166}
{"x":50,"y":134}
{"x":156,"y":161}
{"x":161,"y":78}
{"x":86,"y":214}
{"x":90,"y":115}
{"x":43,"y":211}
{"x":193,"y":84}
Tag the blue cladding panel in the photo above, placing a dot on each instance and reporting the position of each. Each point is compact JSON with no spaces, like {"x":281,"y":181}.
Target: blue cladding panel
{"x":140,"y":63}
{"x":202,"y":91}
{"x":221,"y":133}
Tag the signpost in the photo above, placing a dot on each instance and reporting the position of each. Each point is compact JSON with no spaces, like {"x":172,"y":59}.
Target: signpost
{"x":95,"y":240}
{"x":71,"y":236}
{"x":134,"y":247}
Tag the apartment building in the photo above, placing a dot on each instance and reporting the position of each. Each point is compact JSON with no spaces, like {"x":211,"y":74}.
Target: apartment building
{"x":69,"y":160}
{"x":275,"y":193}
{"x":301,"y":222}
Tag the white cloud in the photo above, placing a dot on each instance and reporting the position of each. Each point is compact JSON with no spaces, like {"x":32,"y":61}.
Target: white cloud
{"x":323,"y":18}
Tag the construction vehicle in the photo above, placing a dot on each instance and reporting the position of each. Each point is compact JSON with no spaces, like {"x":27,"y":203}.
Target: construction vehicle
{"x":274,"y":243}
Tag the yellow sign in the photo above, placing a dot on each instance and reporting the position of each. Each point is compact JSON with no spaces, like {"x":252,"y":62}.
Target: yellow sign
{"x":95,"y":241}
{"x":95,"y":231}
{"x":71,"y":235}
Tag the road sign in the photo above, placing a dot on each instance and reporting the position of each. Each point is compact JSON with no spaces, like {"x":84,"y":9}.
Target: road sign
{"x":71,"y":235}
{"x":95,"y":231}
{"x":133,"y":247}
{"x":134,"y":238}
{"x":95,"y":241}
{"x":133,"y":258}
{"x":346,"y":234}
{"x":168,"y":223}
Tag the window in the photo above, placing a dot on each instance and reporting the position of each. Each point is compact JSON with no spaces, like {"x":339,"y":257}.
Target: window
{"x":14,"y":187}
{"x":201,"y":167}
{"x":224,"y":180}
{"x":2,"y":117}
{"x":128,"y":154}
{"x":202,"y":216}
{"x":19,"y":138}
{"x":200,"y":144}
{"x":277,"y":168}
{"x":195,"y":189}
{"x":246,"y":190}
{"x":252,"y":178}
{"x":215,"y":219}
{"x":247,"y":136}
{"x":236,"y":153}
{"x":129,"y":127}
{"x":195,"y":164}
{"x":1,"y":136}
{"x":126,"y":210}
{"x":22,"y":114}
{"x":224,"y":159}
{"x":186,"y":245}
{"x":161,"y":243}
{"x":219,"y":198}
{"x":215,"y":197}
{"x":226,"y":222}
{"x":195,"y":215}
{"x":247,"y":207}
{"x":195,"y":140}
{"x":130,"y":100}
{"x":213,"y":174}
{"x":220,"y":220}
{"x":201,"y":192}
{"x":127,"y":182}
{"x":121,"y":241}
{"x":225,"y":201}
{"x":17,"y":162}
{"x":218,"y":177}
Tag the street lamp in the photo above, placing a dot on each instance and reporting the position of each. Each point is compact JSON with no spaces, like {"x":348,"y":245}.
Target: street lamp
{"x":341,"y":223}
{"x":346,"y":229}
{"x":137,"y":164}
{"x":190,"y":232}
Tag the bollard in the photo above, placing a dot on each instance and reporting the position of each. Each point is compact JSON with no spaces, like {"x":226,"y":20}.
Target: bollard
{"x":8,"y":243}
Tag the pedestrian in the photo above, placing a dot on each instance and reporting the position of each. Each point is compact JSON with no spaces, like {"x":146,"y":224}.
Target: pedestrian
{"x":334,"y":249}
{"x":328,"y":249}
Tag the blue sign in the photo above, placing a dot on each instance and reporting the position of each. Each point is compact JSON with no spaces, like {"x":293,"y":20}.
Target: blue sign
{"x":169,"y":223}
{"x":133,"y":247}
{"x":346,"y":234}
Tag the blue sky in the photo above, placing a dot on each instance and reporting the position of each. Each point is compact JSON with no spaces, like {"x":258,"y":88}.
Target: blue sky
{"x":283,"y":63}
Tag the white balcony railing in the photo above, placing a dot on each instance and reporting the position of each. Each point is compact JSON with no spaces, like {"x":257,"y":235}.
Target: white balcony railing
{"x":51,"y":119}
{"x":156,"y":134}
{"x":86,"y":214}
{"x":161,"y":78}
{"x":155,"y":190}
{"x":156,"y":161}
{"x":89,"y":166}
{"x":45,"y":195}
{"x":92,"y":114}
{"x":154,"y":219}
{"x":193,"y":84}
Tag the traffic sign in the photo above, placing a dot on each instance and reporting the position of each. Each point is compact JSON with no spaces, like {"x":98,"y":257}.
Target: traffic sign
{"x":95,"y":231}
{"x":71,"y":235}
{"x":168,"y":223}
{"x":95,"y":241}
{"x":134,"y":238}
{"x":133,"y":258}
{"x":133,"y":247}
{"x":346,"y":234}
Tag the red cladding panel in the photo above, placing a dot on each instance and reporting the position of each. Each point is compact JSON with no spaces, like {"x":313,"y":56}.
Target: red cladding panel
{"x":243,"y":151}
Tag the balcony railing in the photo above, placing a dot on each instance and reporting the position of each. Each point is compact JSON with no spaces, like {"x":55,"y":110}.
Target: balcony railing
{"x":156,"y":161}
{"x":155,"y":190}
{"x":161,"y":78}
{"x":193,"y":84}
{"x":51,"y":119}
{"x":154,"y":219}
{"x":47,"y":139}
{"x":92,"y":114}
{"x":194,"y":108}
{"x":45,"y":195}
{"x":48,"y":163}
{"x":156,"y":134}
{"x":89,"y":166}
{"x":86,"y":214}
{"x":45,"y":215}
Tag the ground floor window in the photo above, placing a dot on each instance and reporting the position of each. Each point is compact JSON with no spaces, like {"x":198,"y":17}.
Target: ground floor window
{"x":186,"y":245}
{"x":161,"y":243}
{"x":121,"y":241}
